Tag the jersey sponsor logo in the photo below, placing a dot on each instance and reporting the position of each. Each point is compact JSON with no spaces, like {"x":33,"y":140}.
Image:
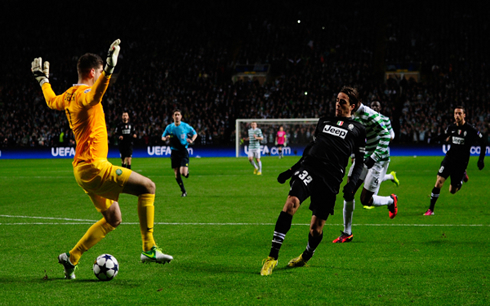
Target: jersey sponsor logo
{"x":458,"y":140}
{"x":335,"y":131}
{"x":87,"y":90}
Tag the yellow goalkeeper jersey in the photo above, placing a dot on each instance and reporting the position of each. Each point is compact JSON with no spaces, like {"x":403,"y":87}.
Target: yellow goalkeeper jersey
{"x":83,"y":108}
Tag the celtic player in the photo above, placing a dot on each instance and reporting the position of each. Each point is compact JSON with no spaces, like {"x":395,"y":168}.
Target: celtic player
{"x":254,"y":138}
{"x":376,"y":161}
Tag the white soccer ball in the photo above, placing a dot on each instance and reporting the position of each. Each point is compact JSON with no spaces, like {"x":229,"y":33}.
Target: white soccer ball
{"x":106,"y":267}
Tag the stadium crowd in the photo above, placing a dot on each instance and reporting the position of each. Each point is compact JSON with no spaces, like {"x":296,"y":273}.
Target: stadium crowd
{"x":187,"y":62}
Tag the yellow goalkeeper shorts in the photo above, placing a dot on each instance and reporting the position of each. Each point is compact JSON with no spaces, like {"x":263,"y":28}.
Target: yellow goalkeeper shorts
{"x":102,"y":181}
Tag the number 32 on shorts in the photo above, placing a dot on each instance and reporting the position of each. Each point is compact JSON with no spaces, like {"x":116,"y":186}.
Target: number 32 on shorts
{"x":305,"y":177}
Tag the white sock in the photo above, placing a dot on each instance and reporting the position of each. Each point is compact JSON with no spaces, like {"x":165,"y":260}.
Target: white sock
{"x":348,"y":213}
{"x":388,"y":177}
{"x":382,"y":201}
{"x":253,"y":164}
{"x":260,"y":166}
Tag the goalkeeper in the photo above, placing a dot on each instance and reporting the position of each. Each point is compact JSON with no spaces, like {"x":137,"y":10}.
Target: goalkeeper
{"x":101,"y":181}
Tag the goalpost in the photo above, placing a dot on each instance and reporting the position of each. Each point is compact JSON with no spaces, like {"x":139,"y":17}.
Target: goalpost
{"x":299,"y":132}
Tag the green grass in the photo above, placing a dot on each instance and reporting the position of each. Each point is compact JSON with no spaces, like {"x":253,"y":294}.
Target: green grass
{"x":220,"y":233}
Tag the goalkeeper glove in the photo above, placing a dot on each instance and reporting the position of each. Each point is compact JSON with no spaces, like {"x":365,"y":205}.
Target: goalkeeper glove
{"x":283,"y":177}
{"x":369,"y":162}
{"x":40,"y":71}
{"x":112,"y":55}
{"x":349,"y":189}
{"x":481,"y":164}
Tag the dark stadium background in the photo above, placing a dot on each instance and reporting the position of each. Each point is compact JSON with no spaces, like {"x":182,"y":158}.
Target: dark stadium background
{"x":184,"y":54}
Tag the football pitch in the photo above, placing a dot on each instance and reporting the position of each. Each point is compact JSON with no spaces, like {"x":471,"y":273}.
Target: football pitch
{"x":222,"y":231}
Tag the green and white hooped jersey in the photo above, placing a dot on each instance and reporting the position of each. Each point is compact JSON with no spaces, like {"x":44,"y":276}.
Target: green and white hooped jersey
{"x":387,"y":123}
{"x":377,"y":133}
{"x":254,"y":144}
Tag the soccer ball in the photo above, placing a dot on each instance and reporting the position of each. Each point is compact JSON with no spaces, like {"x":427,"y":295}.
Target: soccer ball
{"x":106,"y":267}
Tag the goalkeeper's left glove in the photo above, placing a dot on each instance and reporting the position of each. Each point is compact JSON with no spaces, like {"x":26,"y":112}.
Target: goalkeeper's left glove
{"x":40,"y":71}
{"x":112,"y":55}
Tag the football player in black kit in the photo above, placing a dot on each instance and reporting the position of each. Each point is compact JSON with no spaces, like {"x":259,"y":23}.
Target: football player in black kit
{"x":461,"y":136}
{"x":125,"y":132}
{"x":319,"y":174}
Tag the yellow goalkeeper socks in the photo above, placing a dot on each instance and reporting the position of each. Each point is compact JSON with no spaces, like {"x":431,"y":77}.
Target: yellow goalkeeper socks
{"x":146,"y":214}
{"x":94,"y":234}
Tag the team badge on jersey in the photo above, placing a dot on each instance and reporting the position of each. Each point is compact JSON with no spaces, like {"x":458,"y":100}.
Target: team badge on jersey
{"x":350,"y":127}
{"x":118,"y":171}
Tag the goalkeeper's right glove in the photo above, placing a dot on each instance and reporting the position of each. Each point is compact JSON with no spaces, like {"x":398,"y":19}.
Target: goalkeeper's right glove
{"x":112,"y":55}
{"x":40,"y":71}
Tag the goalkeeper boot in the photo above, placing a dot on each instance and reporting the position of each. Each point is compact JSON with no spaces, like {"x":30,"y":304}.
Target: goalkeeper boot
{"x":297,"y":262}
{"x":155,"y":255}
{"x":395,"y":180}
{"x":259,"y":173}
{"x":344,"y":238}
{"x":393,"y":208}
{"x":269,"y":264}
{"x":256,"y":170}
{"x":70,"y":268}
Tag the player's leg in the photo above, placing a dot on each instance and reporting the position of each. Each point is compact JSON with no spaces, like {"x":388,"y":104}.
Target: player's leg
{"x":348,"y":210}
{"x":372,"y":184}
{"x":443,"y":173}
{"x":123,"y":158}
{"x":259,"y":163}
{"x":322,"y":205}
{"x":283,"y":224}
{"x":184,"y":165}
{"x":251,"y":154}
{"x":457,"y":179}
{"x":315,"y":236}
{"x":144,"y":189}
{"x":111,"y":219}
{"x":128,"y":162}
{"x":176,"y":161}
{"x":297,"y":195}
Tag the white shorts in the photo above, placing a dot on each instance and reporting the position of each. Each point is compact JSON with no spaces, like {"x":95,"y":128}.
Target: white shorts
{"x":254,"y":153}
{"x":372,"y":177}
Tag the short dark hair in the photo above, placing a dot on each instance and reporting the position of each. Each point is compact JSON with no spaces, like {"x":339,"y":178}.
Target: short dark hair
{"x":176,"y":111}
{"x":353,"y":95}
{"x":87,"y":62}
{"x":461,"y":107}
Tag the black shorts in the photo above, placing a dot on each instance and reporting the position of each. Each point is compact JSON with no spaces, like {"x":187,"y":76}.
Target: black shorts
{"x":305,"y":183}
{"x":179,"y":158}
{"x":455,"y":170}
{"x":126,"y":151}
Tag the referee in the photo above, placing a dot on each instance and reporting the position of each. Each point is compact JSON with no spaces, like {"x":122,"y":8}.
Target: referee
{"x":178,"y":133}
{"x":125,"y":132}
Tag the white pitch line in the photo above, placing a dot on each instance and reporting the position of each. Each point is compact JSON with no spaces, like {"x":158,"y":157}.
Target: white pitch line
{"x":85,"y":221}
{"x":46,"y":218}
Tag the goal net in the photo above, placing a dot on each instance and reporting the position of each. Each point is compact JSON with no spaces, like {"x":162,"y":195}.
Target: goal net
{"x":299,"y":132}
